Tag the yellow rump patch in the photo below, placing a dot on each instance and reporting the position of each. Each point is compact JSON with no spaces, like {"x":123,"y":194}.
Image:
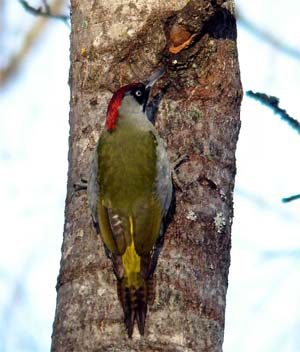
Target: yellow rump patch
{"x":131,"y":261}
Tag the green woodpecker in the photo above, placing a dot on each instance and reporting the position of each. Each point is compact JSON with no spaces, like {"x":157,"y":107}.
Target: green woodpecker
{"x":130,"y":191}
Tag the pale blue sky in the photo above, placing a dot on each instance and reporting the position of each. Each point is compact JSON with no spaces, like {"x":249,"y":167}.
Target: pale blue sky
{"x":264,"y":283}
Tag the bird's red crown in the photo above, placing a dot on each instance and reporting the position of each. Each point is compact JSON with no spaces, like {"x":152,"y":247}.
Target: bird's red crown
{"x":114,"y":104}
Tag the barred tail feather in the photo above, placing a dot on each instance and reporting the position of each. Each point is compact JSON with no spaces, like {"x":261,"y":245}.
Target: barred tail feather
{"x":135,"y":302}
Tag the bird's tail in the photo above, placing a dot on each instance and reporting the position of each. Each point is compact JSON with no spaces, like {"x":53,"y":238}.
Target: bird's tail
{"x":135,"y":301}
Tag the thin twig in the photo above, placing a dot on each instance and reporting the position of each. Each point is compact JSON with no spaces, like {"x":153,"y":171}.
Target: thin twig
{"x":46,"y":5}
{"x":273,"y":102}
{"x":267,"y":36}
{"x":44,"y":12}
{"x":291,"y":198}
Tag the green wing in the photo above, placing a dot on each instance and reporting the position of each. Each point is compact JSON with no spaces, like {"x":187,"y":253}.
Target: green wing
{"x":127,"y":176}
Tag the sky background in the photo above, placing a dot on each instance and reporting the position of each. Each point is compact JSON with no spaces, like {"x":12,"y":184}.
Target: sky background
{"x":264,"y":283}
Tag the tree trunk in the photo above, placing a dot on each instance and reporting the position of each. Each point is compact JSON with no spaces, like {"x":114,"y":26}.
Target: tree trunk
{"x":114,"y":43}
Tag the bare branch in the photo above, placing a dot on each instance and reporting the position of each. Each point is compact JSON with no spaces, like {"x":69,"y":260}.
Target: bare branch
{"x":272,"y":102}
{"x":291,"y":198}
{"x":46,"y":5}
{"x":268,"y":37}
{"x":44,"y":12}
{"x":29,"y":40}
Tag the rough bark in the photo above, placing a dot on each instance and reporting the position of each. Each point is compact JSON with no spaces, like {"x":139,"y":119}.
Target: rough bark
{"x":112,"y":44}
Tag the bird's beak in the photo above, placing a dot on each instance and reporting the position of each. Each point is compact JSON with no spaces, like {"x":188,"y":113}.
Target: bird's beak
{"x":154,"y":77}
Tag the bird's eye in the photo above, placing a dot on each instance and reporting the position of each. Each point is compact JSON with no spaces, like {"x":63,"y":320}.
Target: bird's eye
{"x":138,"y":93}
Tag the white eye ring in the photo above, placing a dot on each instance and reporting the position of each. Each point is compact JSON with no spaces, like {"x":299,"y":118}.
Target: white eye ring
{"x":138,"y":93}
